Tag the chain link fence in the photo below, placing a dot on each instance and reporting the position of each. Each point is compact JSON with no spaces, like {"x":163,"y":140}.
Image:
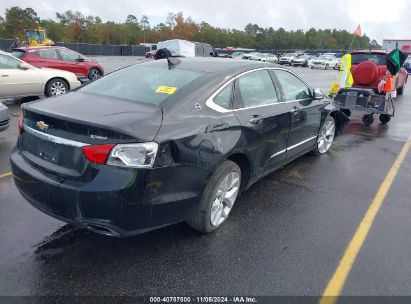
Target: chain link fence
{"x":91,"y":49}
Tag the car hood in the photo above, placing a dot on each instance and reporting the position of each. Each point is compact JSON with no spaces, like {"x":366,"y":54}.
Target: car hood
{"x":88,"y":110}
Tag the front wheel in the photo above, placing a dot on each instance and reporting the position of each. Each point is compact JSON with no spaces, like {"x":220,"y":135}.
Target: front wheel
{"x":218,"y":199}
{"x":94,"y":74}
{"x":367,"y":120}
{"x":325,"y":137}
{"x":56,"y":87}
{"x":326,"y":67}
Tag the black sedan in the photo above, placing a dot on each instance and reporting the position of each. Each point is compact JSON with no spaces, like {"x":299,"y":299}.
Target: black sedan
{"x":165,"y":141}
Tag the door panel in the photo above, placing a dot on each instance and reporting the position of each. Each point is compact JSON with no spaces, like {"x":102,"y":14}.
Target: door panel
{"x":45,"y":58}
{"x":263,"y":118}
{"x":305,"y":114}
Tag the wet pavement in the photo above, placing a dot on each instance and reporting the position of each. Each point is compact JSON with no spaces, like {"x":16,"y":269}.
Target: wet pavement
{"x":285,"y":235}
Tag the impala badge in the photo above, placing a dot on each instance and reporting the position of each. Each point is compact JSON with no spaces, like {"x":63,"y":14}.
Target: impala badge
{"x":42,"y":125}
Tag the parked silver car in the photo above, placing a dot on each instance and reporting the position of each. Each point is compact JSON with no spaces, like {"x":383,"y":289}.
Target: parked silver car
{"x":4,"y":117}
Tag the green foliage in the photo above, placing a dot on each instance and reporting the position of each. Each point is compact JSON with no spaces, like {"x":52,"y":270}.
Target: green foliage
{"x":73,"y":26}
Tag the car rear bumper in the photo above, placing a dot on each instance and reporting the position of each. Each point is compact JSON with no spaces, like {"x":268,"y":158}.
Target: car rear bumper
{"x":117,"y":202}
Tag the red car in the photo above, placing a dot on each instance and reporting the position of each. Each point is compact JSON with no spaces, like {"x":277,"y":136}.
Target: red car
{"x":57,"y":57}
{"x":369,"y":67}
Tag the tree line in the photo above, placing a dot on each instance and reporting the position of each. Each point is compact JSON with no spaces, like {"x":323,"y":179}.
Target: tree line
{"x":74,"y":27}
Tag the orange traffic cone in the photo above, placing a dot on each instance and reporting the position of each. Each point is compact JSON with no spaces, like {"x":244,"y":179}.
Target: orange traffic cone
{"x":388,"y":83}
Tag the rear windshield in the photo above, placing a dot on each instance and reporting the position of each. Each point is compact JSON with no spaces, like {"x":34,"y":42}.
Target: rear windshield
{"x":142,"y":84}
{"x":18,"y":53}
{"x":379,"y":59}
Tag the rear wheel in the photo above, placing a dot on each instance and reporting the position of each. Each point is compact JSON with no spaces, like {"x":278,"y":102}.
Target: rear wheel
{"x":367,"y":120}
{"x":384,"y":118}
{"x":326,"y":66}
{"x":94,"y":74}
{"x":56,"y":87}
{"x":218,"y":198}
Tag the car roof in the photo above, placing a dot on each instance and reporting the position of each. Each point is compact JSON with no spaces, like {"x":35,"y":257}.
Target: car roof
{"x":213,"y":65}
{"x":30,"y":48}
{"x":369,"y":52}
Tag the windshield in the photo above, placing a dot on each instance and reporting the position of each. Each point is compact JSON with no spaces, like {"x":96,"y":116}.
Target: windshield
{"x":379,"y":59}
{"x":325,"y":58}
{"x":303,"y":56}
{"x":142,"y":84}
{"x":289,"y":55}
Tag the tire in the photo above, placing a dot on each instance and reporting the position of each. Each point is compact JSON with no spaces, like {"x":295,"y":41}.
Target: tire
{"x":325,"y":137}
{"x":326,"y":66}
{"x":347,"y":112}
{"x":203,"y":220}
{"x":336,"y":67}
{"x":367,"y":120}
{"x":56,"y":87}
{"x":94,"y":74}
{"x":400,"y":91}
{"x":384,"y":118}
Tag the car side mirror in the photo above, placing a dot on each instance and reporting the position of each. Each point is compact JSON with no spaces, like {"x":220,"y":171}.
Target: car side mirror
{"x":318,"y":94}
{"x":24,"y":66}
{"x":80,"y":59}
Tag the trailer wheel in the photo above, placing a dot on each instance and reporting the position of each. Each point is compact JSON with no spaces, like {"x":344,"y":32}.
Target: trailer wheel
{"x":347,"y":112}
{"x":384,"y":118}
{"x":367,"y":120}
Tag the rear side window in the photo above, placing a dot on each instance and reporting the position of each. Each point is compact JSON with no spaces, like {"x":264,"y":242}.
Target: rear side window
{"x":379,"y":59}
{"x":143,"y":84}
{"x":223,"y":99}
{"x":52,"y":54}
{"x":257,"y":89}
{"x":293,"y":87}
{"x":18,"y":53}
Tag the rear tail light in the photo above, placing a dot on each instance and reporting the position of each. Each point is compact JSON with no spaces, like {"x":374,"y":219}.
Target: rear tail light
{"x":21,"y":125}
{"x":97,"y":154}
{"x":141,"y":155}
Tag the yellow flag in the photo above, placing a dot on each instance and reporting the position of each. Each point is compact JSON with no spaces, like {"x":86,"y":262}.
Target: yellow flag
{"x":344,"y":77}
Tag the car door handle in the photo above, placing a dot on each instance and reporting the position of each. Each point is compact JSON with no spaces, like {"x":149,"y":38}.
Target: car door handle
{"x":256,"y":119}
{"x":295,"y":110}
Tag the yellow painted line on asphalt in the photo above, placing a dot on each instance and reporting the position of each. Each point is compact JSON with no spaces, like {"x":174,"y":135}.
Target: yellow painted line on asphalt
{"x":337,"y":281}
{"x":6,"y":174}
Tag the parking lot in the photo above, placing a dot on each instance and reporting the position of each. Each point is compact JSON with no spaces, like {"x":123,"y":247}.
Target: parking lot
{"x":286,"y":235}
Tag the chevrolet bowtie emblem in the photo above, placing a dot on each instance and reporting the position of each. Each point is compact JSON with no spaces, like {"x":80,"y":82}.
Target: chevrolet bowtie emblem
{"x":42,"y":125}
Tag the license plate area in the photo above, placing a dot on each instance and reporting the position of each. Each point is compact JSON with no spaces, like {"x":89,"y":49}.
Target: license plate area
{"x":48,"y":151}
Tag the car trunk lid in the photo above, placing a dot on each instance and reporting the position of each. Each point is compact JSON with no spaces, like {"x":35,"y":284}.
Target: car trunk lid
{"x":56,"y":129}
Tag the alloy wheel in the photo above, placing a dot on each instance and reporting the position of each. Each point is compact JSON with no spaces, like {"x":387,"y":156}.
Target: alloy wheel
{"x":95,"y":74}
{"x":58,"y":88}
{"x":326,"y":136}
{"x":224,"y":199}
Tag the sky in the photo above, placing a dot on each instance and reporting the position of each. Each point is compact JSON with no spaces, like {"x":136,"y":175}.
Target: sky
{"x":379,"y":19}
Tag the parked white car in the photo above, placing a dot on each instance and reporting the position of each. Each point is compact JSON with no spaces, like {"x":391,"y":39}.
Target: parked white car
{"x":20,"y":79}
{"x":324,"y":62}
{"x":287,"y":58}
{"x":269,"y":58}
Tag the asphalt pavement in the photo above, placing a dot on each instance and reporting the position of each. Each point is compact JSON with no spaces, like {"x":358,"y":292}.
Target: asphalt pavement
{"x":285,"y":236}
